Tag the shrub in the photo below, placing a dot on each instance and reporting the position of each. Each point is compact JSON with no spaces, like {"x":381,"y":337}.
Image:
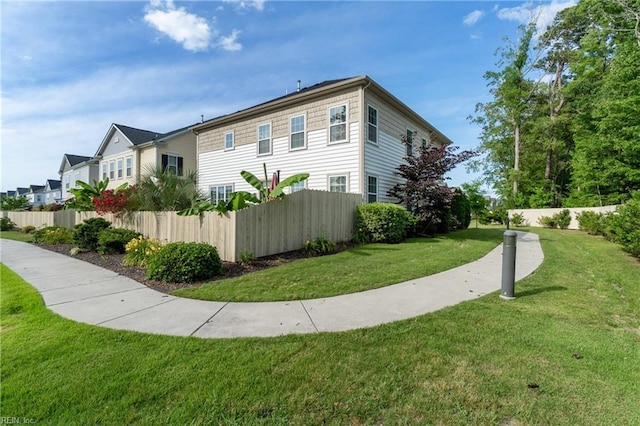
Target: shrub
{"x":140,"y":250}
{"x":460,"y":212}
{"x":6,"y":224}
{"x":382,"y":223}
{"x":184,"y":262}
{"x":547,"y":222}
{"x":562,"y":219}
{"x":623,"y":226}
{"x":29,"y":229}
{"x":53,"y":235}
{"x":590,"y":222}
{"x":246,"y":257}
{"x":114,"y":240}
{"x":320,"y":245}
{"x":517,"y":219}
{"x":86,"y":234}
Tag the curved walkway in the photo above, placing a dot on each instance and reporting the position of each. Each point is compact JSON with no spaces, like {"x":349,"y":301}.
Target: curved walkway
{"x":87,"y":293}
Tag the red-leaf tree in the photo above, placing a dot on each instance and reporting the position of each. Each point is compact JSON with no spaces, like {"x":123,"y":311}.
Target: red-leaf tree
{"x":424,"y":190}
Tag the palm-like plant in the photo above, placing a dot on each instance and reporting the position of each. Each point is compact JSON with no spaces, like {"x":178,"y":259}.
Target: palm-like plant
{"x":159,"y":190}
{"x":84,"y":195}
{"x":267,"y":193}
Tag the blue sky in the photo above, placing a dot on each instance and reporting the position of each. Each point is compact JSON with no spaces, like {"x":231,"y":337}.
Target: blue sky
{"x":70,"y":69}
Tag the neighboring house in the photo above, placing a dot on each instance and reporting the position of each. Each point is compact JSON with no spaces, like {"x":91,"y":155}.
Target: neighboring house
{"x":52,"y":191}
{"x":21,"y":192}
{"x":74,"y":168}
{"x":126,"y":153}
{"x":35,"y":195}
{"x":345,"y":133}
{"x":12,"y":194}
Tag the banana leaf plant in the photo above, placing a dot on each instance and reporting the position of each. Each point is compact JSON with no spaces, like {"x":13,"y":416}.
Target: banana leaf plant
{"x":242,"y":199}
{"x":83,"y":196}
{"x":267,"y":193}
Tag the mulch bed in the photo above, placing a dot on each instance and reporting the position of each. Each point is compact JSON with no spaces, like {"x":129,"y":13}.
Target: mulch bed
{"x":114,"y":262}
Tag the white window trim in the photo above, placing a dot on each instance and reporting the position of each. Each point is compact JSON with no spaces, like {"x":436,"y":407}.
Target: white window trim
{"x":67,"y":181}
{"x":346,"y":125}
{"x":347,"y":180}
{"x":377,"y":188}
{"x":376,"y":125}
{"x":105,"y":170}
{"x":217,"y":186}
{"x":304,"y":132}
{"x":233,"y":141}
{"x":112,"y":162}
{"x":128,"y":171}
{"x":120,"y":168}
{"x":304,"y":186}
{"x":270,"y":139}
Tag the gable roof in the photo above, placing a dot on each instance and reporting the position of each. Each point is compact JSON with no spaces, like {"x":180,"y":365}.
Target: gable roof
{"x":73,"y":161}
{"x":53,"y":184}
{"x":76,"y":159}
{"x":320,"y":89}
{"x":21,"y":191}
{"x":11,"y":193}
{"x":36,"y":188}
{"x":136,"y":136}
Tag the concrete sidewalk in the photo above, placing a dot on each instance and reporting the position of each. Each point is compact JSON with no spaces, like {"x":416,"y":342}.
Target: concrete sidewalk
{"x":86,"y":293}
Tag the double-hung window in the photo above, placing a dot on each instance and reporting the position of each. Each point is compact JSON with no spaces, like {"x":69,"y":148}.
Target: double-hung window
{"x":77,"y":177}
{"x":104,"y":170}
{"x":298,"y":186}
{"x":372,"y":128}
{"x":297,"y":130}
{"x":264,"y":139}
{"x":409,"y":143}
{"x":67,"y":181}
{"x":120,"y":168}
{"x":112,"y":169}
{"x":372,"y":189}
{"x":338,"y":183}
{"x":220,"y":193}
{"x":129,"y":166}
{"x":228,"y":141}
{"x":338,"y":124}
{"x":172,"y":164}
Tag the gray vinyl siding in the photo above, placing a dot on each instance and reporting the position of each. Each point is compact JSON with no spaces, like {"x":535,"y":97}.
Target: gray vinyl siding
{"x":113,"y":148}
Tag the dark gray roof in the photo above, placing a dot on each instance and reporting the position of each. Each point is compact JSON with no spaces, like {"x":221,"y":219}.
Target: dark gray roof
{"x":11,"y":193}
{"x":21,"y":190}
{"x":54,"y":184}
{"x":288,"y":95}
{"x":76,"y":159}
{"x":36,"y":188}
{"x":137,"y":136}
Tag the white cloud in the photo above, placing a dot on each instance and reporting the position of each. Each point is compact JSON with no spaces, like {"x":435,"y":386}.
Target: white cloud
{"x":542,"y":14}
{"x":473,"y":17}
{"x":247,"y":4}
{"x":230,"y":42}
{"x":192,"y":31}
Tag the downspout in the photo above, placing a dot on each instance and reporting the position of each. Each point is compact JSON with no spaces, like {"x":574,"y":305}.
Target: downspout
{"x":363,"y":118}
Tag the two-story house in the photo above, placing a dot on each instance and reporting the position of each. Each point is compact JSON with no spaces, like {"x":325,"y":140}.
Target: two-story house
{"x":52,"y":192}
{"x":35,"y":195}
{"x":347,"y":134}
{"x":127,"y":153}
{"x":75,"y":168}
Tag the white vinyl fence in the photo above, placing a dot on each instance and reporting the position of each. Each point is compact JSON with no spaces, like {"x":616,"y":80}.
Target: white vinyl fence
{"x":531,"y":216}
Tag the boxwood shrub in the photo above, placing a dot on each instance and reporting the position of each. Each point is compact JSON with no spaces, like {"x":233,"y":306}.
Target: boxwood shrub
{"x":114,"y":240}
{"x":86,"y":234}
{"x":382,"y":223}
{"x":184,"y":263}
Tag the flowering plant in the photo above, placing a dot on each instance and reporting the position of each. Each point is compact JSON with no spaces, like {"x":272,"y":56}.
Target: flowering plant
{"x":116,"y":202}
{"x":140,"y":250}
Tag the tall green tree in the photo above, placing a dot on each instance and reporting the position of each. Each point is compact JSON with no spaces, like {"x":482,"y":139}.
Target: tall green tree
{"x":502,"y":120}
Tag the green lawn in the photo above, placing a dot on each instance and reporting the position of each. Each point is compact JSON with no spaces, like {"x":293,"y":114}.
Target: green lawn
{"x":357,"y":269}
{"x":17,"y":236}
{"x":467,"y":364}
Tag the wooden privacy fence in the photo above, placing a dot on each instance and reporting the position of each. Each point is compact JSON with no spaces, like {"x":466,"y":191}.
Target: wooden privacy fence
{"x":266,"y":229}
